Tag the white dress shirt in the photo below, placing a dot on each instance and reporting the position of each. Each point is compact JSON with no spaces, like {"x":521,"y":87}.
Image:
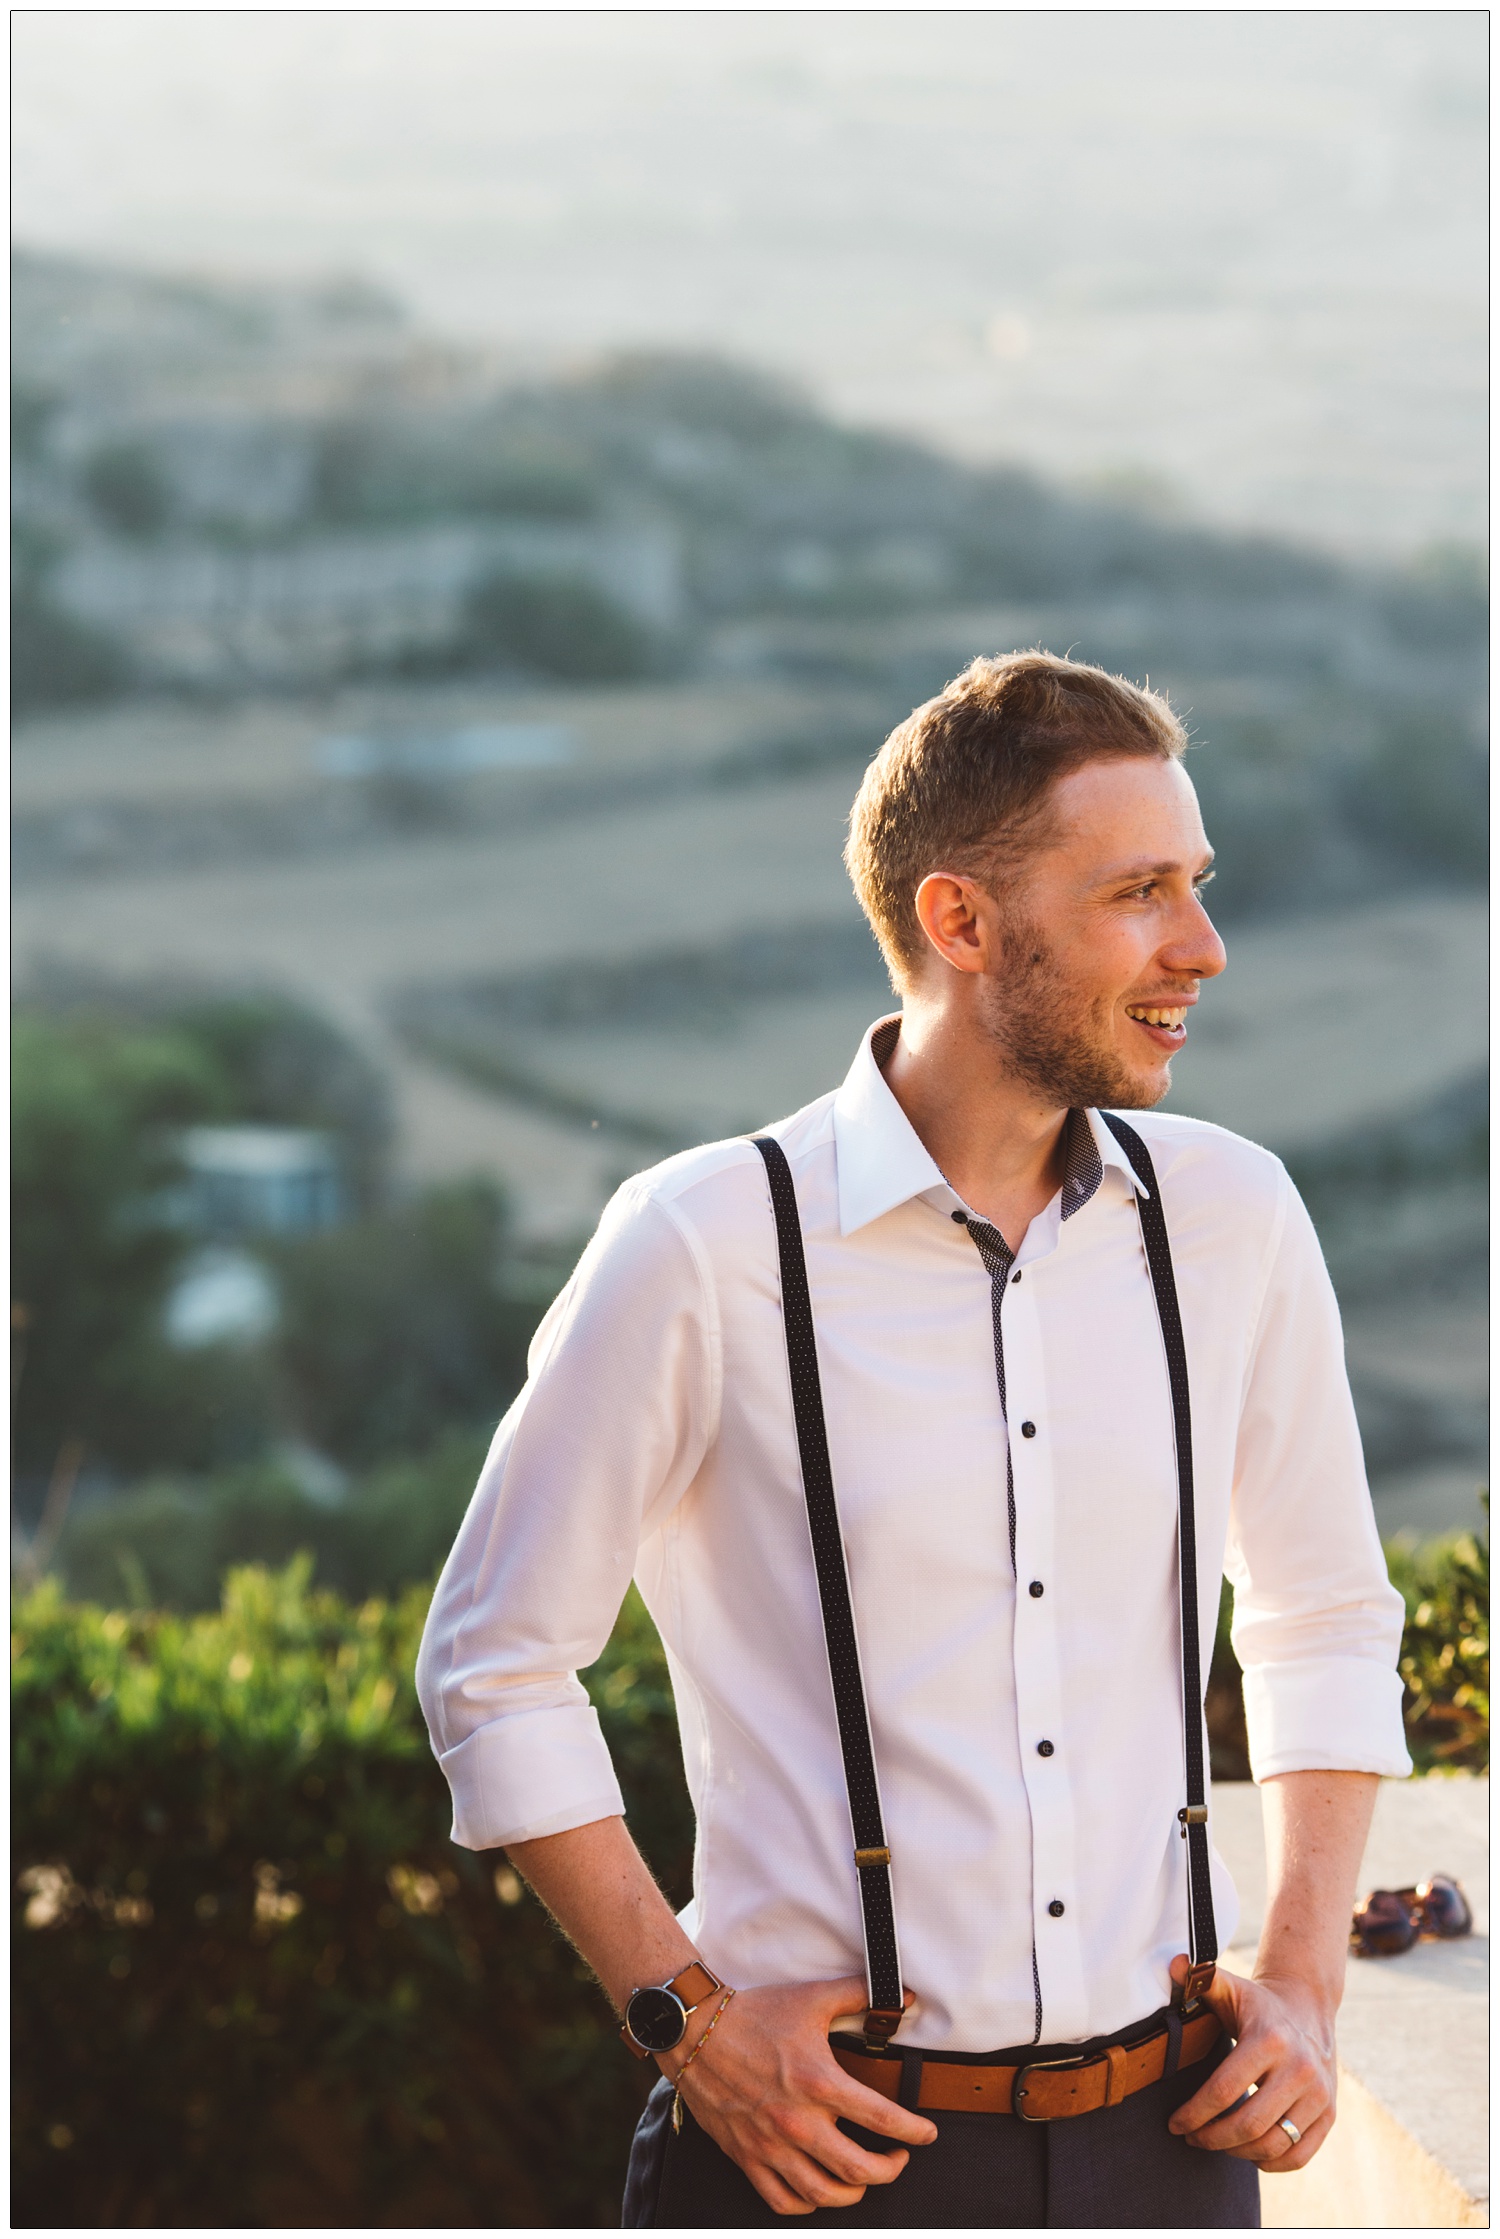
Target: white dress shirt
{"x":655,"y":1438}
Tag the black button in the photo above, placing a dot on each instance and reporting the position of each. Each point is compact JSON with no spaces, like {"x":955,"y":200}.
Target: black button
{"x":1045,"y":1749}
{"x":1028,"y":1430}
{"x":1036,"y":1589}
{"x":1057,"y":1908}
{"x":1017,"y":1276}
{"x":960,"y":1218}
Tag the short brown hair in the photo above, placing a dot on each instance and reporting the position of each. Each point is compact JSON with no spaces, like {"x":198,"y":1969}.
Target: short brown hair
{"x":962,"y":784}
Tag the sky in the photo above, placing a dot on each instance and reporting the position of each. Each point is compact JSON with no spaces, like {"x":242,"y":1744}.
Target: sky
{"x":1233,"y":260}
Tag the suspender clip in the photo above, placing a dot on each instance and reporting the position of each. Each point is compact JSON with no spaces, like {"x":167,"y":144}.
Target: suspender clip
{"x":1194,"y":1815}
{"x":1188,"y":1994}
{"x":881,"y":1857}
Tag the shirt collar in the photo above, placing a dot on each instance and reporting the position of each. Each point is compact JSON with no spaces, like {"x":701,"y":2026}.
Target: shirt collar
{"x":882,"y":1161}
{"x":1091,"y":1149}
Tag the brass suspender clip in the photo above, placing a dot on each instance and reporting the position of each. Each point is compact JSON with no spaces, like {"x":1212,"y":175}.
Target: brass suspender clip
{"x":1192,"y":1815}
{"x":1189,"y":1993}
{"x":881,"y":1857}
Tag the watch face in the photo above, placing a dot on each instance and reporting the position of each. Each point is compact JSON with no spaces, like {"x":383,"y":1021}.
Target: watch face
{"x":656,"y":2019}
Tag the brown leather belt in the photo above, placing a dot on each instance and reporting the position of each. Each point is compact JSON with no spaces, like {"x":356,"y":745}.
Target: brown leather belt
{"x":1037,"y":2090}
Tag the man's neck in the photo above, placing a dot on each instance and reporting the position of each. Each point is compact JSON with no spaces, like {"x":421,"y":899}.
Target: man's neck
{"x":999,"y":1144}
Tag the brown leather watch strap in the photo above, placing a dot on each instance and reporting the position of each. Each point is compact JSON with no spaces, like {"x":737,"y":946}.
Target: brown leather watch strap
{"x":694,"y":1984}
{"x":1038,"y":2091}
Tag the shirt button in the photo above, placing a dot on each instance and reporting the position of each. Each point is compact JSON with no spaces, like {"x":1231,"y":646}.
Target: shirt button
{"x":1045,"y":1749}
{"x":1028,"y":1430}
{"x":1057,"y":1908}
{"x":1036,"y":1589}
{"x":1016,"y":1277}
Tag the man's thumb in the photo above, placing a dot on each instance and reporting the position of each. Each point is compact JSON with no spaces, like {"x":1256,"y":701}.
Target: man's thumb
{"x":851,"y":1995}
{"x":1218,"y":1997}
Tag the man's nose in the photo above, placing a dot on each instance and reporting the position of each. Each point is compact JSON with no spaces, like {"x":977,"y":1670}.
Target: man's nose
{"x":1197,"y":947}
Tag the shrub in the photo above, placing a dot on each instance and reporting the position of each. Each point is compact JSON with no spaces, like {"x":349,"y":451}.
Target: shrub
{"x":561,"y":627}
{"x":254,"y":1981}
{"x":256,"y":1984}
{"x":1445,"y":1655}
{"x":1445,"y":1660}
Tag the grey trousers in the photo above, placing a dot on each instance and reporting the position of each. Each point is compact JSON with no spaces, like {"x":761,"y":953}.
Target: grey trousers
{"x":1119,"y":2169}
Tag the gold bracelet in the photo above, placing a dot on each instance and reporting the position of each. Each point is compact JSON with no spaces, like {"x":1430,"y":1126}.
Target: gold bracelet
{"x":692,"y":2056}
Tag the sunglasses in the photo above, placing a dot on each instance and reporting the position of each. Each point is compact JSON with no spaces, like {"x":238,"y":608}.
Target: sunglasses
{"x":1391,"y":1920}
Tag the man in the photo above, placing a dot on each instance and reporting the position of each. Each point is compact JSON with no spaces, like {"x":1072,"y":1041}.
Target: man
{"x":1007,"y":1457}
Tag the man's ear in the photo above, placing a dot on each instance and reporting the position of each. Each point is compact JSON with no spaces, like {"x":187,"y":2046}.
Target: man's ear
{"x":952,"y":912}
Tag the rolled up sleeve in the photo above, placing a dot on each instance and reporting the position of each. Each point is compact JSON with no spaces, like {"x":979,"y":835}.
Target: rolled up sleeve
{"x":1317,"y":1623}
{"x":605,"y":1439}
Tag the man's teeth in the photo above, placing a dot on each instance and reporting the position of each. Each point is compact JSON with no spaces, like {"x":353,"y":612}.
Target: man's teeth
{"x":1156,"y":1017}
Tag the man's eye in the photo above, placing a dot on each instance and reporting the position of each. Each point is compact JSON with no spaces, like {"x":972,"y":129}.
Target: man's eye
{"x":1204,"y":878}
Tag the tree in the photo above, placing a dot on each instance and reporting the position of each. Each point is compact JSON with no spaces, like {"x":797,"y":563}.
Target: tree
{"x":559,"y":626}
{"x":54,"y":658}
{"x":127,"y":489}
{"x":93,"y":1252}
{"x":394,"y":1327}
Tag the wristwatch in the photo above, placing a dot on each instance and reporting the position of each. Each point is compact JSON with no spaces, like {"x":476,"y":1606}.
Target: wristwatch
{"x":656,"y":2017}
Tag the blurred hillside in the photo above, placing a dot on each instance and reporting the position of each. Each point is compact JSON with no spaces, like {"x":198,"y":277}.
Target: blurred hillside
{"x":1235,"y":257}
{"x":507,"y":729}
{"x":236,"y":488}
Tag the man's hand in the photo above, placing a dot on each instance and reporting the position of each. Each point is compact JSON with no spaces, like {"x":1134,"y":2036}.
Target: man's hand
{"x":1284,"y":2058}
{"x":768,"y":2090}
{"x":765,"y":2087}
{"x":1316,"y":1824}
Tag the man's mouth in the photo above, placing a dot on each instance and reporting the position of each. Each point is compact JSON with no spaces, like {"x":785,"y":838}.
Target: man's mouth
{"x":1168,"y":1020}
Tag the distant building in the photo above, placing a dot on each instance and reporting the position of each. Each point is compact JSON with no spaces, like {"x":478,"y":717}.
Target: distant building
{"x":250,"y":1180}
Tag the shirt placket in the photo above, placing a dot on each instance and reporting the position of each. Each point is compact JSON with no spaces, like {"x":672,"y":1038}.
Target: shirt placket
{"x":1056,"y":1948}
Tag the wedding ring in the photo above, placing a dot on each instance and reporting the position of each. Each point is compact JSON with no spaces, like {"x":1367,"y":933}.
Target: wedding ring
{"x":1286,"y":2123}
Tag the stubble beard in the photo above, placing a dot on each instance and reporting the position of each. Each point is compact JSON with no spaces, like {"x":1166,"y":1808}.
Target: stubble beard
{"x":1053,"y":1038}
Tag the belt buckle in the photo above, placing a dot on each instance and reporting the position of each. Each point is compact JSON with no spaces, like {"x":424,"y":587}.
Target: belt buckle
{"x":1018,"y":2091}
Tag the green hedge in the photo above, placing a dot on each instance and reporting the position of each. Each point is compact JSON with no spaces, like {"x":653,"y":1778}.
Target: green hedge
{"x":255,"y":1983}
{"x":1445,"y":1654}
{"x":1445,"y":1659}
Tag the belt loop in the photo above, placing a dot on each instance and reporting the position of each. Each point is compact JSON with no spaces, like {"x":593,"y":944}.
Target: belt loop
{"x":1174,"y":2041}
{"x":910,"y":2093}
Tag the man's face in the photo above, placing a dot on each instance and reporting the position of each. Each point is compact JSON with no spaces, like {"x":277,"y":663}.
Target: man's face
{"x":1103,"y":938}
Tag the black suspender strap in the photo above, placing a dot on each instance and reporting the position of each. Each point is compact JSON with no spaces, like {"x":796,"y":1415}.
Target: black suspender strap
{"x":872,"y":1858}
{"x":1203,"y":1941}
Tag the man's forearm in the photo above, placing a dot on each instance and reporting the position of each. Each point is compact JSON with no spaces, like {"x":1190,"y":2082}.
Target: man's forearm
{"x":1316,"y":1826}
{"x":599,"y":1889}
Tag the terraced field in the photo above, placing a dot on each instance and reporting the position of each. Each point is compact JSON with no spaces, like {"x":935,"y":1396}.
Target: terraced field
{"x":568,"y":971}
